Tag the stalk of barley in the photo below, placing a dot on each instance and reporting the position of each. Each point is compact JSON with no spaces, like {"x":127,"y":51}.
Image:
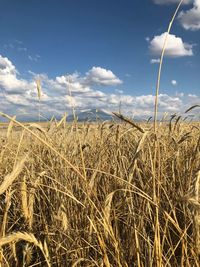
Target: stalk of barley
{"x":39,"y":89}
{"x":39,"y":92}
{"x":161,"y":63}
{"x":197,"y":213}
{"x":10,"y":127}
{"x":24,"y":199}
{"x":9,"y":178}
{"x":31,"y":201}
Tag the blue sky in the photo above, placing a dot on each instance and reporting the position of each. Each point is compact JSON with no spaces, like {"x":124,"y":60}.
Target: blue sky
{"x":107,"y":52}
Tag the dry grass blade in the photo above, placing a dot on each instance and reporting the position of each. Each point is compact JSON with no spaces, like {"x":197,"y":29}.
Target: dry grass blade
{"x":197,"y":212}
{"x":77,"y":262}
{"x":131,"y":122}
{"x":62,"y":121}
{"x":149,"y":119}
{"x":39,"y":128}
{"x":9,"y":178}
{"x":46,"y":251}
{"x":6,"y":213}
{"x":62,"y":218}
{"x":101,"y":244}
{"x":15,"y":237}
{"x":170,"y":122}
{"x":177,"y":121}
{"x":168,"y":217}
{"x":140,"y":143}
{"x":191,"y":108}
{"x":24,"y":198}
{"x":184,"y":137}
{"x":108,"y":204}
{"x":10,"y":126}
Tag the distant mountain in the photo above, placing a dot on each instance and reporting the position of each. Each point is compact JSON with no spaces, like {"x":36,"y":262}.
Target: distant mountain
{"x":92,"y":115}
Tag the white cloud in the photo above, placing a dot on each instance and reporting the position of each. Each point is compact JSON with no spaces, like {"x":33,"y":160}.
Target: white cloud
{"x":19,"y":96}
{"x":8,"y":77}
{"x":155,"y":61}
{"x":101,"y":76}
{"x":95,"y":76}
{"x":174,"y":82}
{"x":167,"y":2}
{"x":190,"y":19}
{"x":175,"y":46}
{"x":193,"y":95}
{"x":6,"y":66}
{"x":17,"y":99}
{"x":73,"y":82}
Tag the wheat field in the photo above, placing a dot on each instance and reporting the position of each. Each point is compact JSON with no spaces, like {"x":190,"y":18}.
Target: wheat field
{"x":103,"y":194}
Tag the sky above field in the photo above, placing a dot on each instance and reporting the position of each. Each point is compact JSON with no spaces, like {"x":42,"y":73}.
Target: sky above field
{"x":105,"y":52}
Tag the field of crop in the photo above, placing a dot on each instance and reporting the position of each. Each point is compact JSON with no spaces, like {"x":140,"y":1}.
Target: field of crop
{"x":100,"y":195}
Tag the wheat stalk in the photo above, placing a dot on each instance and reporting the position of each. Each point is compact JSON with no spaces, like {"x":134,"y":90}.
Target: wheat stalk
{"x":39,"y":89}
{"x":10,"y":127}
{"x":196,"y":217}
{"x":24,"y":198}
{"x":161,"y":63}
{"x":39,"y":93}
{"x":9,"y":178}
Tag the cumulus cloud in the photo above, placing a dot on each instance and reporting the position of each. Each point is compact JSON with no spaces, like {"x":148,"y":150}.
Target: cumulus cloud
{"x":82,"y":84}
{"x":73,"y":83}
{"x":174,"y":82}
{"x":175,"y":46}
{"x":168,"y":2}
{"x":6,"y":66}
{"x":9,"y":77}
{"x":190,"y":19}
{"x":19,"y":96}
{"x":101,"y":76}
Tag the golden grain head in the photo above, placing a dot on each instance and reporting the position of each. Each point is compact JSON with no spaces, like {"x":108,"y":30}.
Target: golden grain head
{"x":39,"y":88}
{"x":9,"y":178}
